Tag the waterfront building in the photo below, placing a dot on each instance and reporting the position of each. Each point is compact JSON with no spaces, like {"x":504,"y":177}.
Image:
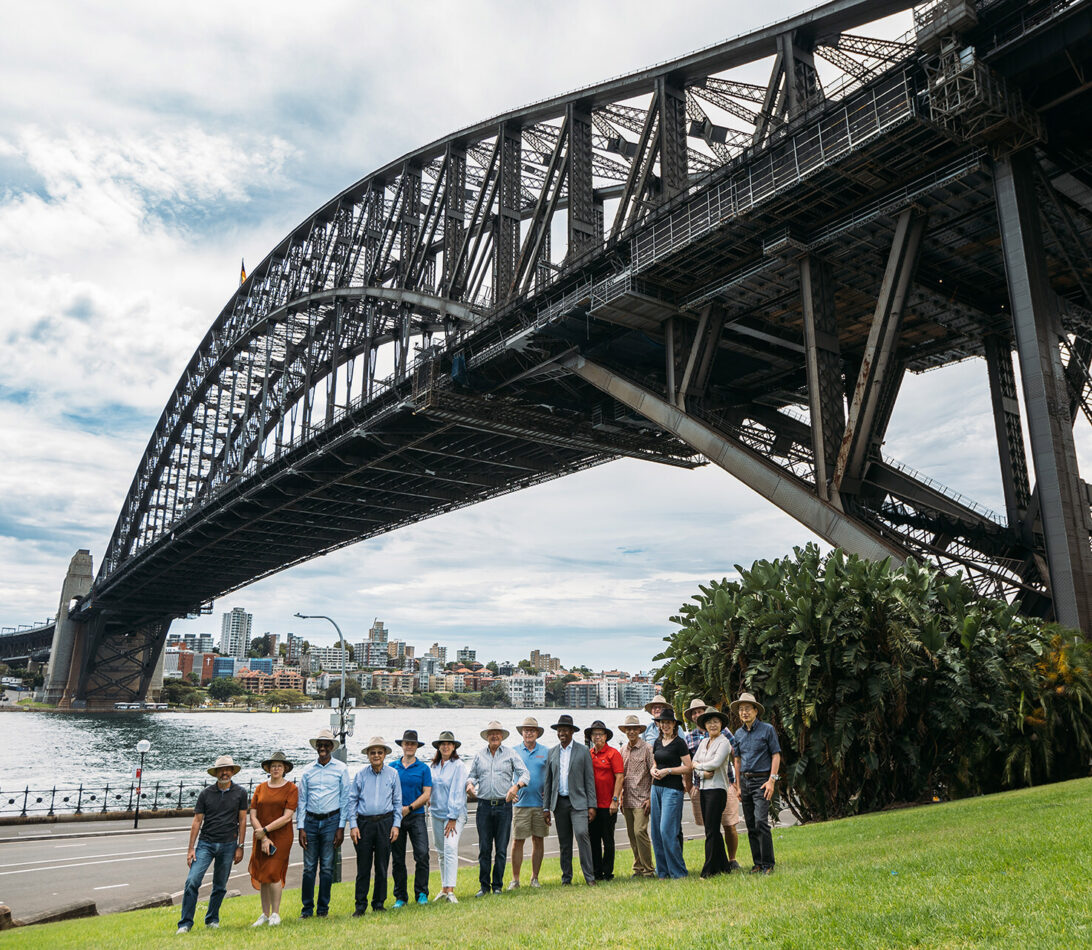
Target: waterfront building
{"x":506,"y":668}
{"x":263,"y":663}
{"x":393,"y":682}
{"x":439,"y":652}
{"x":295,"y":648}
{"x":525,"y":692}
{"x":582,"y":694}
{"x":378,"y":632}
{"x":223,"y":667}
{"x":544,"y":663}
{"x":636,"y":694}
{"x":466,"y":655}
{"x":608,"y":692}
{"x":327,"y":658}
{"x":235,"y":633}
{"x":455,"y":683}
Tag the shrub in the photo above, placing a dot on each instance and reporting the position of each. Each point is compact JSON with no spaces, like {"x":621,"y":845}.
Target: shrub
{"x":886,"y":684}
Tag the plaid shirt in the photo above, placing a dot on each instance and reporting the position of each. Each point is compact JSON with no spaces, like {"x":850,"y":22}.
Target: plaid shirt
{"x":637,"y":784}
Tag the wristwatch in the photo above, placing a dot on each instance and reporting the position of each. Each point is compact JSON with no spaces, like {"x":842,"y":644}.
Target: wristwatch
{"x":774,"y":777}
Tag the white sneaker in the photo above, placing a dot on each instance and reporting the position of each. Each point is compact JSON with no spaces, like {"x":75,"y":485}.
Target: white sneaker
{"x":274,"y":920}
{"x":512,"y":885}
{"x":260,"y":921}
{"x":453,"y":899}
{"x":182,"y":930}
{"x":534,"y":882}
{"x":439,"y":897}
{"x":215,"y":925}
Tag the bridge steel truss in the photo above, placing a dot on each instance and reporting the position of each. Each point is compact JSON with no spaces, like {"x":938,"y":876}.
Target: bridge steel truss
{"x":677,"y":265}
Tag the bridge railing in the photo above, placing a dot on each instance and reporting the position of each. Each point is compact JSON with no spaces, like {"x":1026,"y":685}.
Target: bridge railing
{"x":87,"y":799}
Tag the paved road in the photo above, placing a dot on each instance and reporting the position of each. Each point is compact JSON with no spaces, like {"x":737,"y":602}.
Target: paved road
{"x":43,"y":866}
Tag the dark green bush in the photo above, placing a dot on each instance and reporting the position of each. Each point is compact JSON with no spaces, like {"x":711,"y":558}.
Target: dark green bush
{"x":886,"y":684}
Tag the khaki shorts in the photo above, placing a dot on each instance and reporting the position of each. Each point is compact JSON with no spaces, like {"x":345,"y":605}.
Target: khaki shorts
{"x":529,"y":823}
{"x":728,"y":819}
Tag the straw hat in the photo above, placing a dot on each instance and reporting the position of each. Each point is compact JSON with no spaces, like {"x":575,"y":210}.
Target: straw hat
{"x":224,"y":762}
{"x":277,"y":756}
{"x":325,"y":735}
{"x":632,"y":722}
{"x":377,"y":742}
{"x":495,"y":726}
{"x":747,"y":698}
{"x":658,"y":700}
{"x":598,"y":724}
{"x":695,"y":705}
{"x":530,"y":723}
{"x":446,"y":736}
{"x":725,"y":721}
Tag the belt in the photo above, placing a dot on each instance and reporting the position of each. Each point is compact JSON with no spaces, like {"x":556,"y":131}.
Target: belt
{"x":765,"y":774}
{"x":322,"y":815}
{"x":492,"y":801}
{"x":374,"y":818}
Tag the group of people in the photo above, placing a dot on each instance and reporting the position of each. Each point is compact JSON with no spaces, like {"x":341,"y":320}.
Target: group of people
{"x":522,"y":790}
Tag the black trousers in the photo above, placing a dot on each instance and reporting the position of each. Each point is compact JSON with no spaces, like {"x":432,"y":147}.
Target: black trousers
{"x":415,"y":830}
{"x":601,"y":829}
{"x":373,"y":851}
{"x":756,"y":812}
{"x":713,"y":802}
{"x":494,"y":822}
{"x":573,"y":821}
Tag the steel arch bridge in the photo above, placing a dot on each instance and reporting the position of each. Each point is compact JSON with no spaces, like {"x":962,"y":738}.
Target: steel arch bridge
{"x":676,"y":265}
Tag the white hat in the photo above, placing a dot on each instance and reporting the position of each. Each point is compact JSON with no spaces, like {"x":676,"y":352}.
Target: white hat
{"x":325,"y":735}
{"x":495,"y":726}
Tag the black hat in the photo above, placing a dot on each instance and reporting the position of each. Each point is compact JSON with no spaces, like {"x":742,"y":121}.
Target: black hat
{"x":598,"y":724}
{"x":410,"y":735}
{"x":725,"y":720}
{"x":667,"y":715}
{"x":565,"y":720}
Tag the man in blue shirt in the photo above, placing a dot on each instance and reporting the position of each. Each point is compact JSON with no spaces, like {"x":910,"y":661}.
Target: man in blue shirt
{"x":375,"y":816}
{"x":654,"y":707}
{"x":416,"y":779}
{"x":757,"y":758}
{"x":324,"y":803}
{"x":529,"y":819}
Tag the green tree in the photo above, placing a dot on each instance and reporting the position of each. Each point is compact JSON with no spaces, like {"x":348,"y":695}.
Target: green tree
{"x":886,"y":684}
{"x":179,"y":693}
{"x":225,"y":688}
{"x":194,"y":679}
{"x":525,"y":665}
{"x":352,"y":689}
{"x":375,"y":697}
{"x":494,"y":696}
{"x":492,"y":667}
{"x":285,"y":697}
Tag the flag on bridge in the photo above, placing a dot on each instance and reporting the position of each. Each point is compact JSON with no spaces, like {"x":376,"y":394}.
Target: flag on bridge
{"x":242,"y":270}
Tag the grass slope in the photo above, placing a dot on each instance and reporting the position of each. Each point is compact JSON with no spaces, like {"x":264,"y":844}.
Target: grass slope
{"x":999,"y":871}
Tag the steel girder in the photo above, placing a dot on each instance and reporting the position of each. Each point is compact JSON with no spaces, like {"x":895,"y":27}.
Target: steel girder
{"x":752,"y":228}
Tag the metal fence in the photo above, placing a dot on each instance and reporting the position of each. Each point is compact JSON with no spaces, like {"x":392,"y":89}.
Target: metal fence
{"x":101,"y":799}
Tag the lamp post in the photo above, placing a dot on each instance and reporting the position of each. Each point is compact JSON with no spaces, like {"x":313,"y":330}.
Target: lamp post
{"x":344,"y":720}
{"x":142,"y":747}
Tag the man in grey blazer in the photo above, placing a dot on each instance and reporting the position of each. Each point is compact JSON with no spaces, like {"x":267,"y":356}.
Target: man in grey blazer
{"x":568,"y":790}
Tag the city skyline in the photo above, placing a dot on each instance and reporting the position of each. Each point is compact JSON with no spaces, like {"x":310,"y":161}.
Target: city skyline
{"x":131,"y":184}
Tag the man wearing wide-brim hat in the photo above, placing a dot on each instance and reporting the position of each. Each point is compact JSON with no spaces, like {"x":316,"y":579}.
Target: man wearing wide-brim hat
{"x":375,"y":817}
{"x":637,"y":762}
{"x":757,"y":760}
{"x":529,"y":820}
{"x":324,"y":803}
{"x":217,"y":836}
{"x":568,"y":790}
{"x":654,"y":707}
{"x":495,"y":778}
{"x":416,"y":779}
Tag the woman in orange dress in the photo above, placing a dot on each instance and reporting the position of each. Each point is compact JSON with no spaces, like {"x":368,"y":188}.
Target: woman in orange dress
{"x":271,"y":809}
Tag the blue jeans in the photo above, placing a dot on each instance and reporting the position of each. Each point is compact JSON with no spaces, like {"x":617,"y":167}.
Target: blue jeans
{"x":220,"y":854}
{"x":319,"y":854}
{"x":494,"y":829}
{"x":665,"y":825}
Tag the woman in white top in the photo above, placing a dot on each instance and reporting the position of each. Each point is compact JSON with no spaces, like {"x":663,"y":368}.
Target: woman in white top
{"x":447,"y":806}
{"x":712,"y":760}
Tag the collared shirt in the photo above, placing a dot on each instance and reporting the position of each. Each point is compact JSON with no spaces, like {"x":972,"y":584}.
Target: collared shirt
{"x":493,"y":773}
{"x":693,"y":738}
{"x":606,"y":765}
{"x":376,"y":793}
{"x":756,"y":746}
{"x":325,"y":788}
{"x":563,"y":769}
{"x":638,"y":763}
{"x":221,"y":807}
{"x":414,"y":781}
{"x":448,"y":790}
{"x":652,"y":732}
{"x":534,"y":761}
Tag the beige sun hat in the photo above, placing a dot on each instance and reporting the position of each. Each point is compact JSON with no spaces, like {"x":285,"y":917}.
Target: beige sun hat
{"x":530,"y":723}
{"x":495,"y":726}
{"x":632,"y":722}
{"x":325,"y":735}
{"x":277,"y":756}
{"x":224,"y":762}
{"x":746,"y":698}
{"x":658,"y":700}
{"x":695,"y":705}
{"x":377,"y":742}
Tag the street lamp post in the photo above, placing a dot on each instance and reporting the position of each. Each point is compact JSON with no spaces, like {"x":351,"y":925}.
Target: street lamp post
{"x":142,"y":747}
{"x":344,"y":724}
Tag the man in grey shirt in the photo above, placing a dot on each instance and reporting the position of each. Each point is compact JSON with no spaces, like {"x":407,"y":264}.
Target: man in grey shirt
{"x":568,"y":791}
{"x":496,"y":775}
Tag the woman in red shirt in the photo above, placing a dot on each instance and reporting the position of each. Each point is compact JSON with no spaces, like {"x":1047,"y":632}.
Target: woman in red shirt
{"x":609,"y":774}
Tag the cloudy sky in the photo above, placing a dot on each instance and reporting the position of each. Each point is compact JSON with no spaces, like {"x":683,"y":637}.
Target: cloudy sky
{"x":146,"y":148}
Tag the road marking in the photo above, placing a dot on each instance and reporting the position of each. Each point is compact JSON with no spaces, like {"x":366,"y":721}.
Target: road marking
{"x":84,"y":845}
{"x":107,"y":887}
{"x":85,"y":864}
{"x":109,"y":854}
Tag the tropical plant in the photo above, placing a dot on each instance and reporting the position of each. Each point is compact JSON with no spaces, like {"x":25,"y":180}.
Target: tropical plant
{"x":886,"y":684}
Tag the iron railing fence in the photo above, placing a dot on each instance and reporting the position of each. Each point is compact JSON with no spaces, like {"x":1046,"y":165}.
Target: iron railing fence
{"x":86,"y":799}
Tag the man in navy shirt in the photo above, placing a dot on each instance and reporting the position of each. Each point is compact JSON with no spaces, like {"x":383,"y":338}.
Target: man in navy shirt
{"x":416,"y":779}
{"x":757,"y":758}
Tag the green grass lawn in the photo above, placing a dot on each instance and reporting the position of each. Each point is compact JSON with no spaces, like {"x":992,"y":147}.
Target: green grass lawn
{"x":1011,"y":870}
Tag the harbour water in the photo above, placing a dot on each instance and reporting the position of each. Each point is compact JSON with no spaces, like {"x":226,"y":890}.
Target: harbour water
{"x":42,"y":749}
